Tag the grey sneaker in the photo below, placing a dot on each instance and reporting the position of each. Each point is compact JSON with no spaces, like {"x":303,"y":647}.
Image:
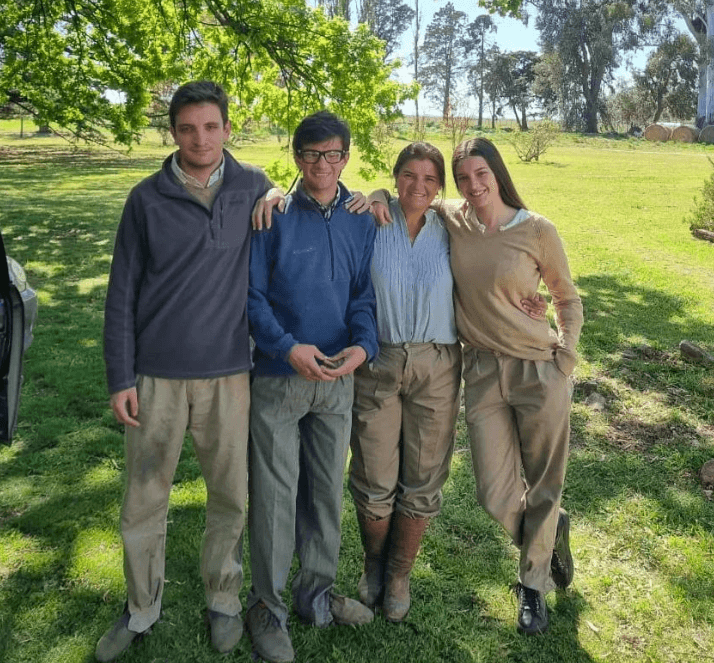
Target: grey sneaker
{"x":117,"y":639}
{"x":226,"y":630}
{"x":269,"y":639}
{"x":561,"y":563}
{"x":348,"y":612}
{"x":532,"y":610}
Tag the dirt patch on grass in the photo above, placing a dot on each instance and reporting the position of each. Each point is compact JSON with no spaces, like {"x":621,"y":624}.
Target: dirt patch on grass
{"x":630,"y":433}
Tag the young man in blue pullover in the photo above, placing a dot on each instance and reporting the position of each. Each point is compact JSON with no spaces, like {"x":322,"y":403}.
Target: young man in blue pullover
{"x":311,"y":308}
{"x":177,"y":354}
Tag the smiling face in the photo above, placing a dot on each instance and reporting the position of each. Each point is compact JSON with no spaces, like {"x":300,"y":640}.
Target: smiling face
{"x":477,"y":183}
{"x":417,"y":186}
{"x":199,"y":132}
{"x":320,"y":178}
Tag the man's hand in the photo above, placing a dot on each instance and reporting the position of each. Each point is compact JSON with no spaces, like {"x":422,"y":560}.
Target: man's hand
{"x":125,"y":405}
{"x":304,"y":359}
{"x":357,"y":204}
{"x":262,"y":215}
{"x":535,"y":306}
{"x":345,"y":362}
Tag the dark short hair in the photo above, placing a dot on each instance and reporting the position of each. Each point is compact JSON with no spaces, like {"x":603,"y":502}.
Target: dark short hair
{"x":482,"y":147}
{"x":319,"y":127}
{"x":422,"y":152}
{"x":198,"y":92}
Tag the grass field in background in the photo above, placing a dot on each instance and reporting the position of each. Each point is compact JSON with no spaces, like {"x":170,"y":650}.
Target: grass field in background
{"x":643,"y":531}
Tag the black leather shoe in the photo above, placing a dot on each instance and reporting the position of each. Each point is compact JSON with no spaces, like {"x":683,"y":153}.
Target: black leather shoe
{"x":532,"y":610}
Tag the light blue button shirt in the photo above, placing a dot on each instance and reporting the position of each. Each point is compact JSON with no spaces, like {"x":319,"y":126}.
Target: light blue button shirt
{"x":413,"y":282}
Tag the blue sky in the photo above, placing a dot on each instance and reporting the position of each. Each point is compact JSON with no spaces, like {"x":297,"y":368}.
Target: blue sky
{"x":511,"y":35}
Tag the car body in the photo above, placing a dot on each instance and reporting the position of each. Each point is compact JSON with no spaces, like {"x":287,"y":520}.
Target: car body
{"x":18,"y":312}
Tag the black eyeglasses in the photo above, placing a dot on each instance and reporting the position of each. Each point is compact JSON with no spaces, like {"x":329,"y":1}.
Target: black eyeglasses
{"x":313,"y":156}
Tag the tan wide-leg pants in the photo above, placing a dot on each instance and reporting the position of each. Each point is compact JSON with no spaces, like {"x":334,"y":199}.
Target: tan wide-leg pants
{"x":518,"y":417}
{"x":215,"y":411}
{"x":403,"y":420}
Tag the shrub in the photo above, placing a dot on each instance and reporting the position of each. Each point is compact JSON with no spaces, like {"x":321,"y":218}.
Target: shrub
{"x":703,"y":215}
{"x":529,"y":145}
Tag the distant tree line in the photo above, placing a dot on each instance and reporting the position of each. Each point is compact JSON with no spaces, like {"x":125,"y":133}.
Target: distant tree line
{"x":583,"y":43}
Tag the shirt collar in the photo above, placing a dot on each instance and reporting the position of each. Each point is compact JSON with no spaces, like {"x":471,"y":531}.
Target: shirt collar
{"x":325,"y":210}
{"x":185,"y":178}
{"x":520,"y":216}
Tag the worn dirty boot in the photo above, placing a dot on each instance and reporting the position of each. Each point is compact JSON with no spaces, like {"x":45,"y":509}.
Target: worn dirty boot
{"x":561,"y":562}
{"x":226,"y":630}
{"x":348,"y":612}
{"x":117,"y":639}
{"x":405,"y":536}
{"x":270,"y":640}
{"x":374,"y":535}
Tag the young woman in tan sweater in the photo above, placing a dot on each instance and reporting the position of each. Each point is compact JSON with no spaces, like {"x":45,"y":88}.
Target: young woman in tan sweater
{"x":516,"y":368}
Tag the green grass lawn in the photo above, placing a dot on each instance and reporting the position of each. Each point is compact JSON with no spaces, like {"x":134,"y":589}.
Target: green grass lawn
{"x":643,"y":531}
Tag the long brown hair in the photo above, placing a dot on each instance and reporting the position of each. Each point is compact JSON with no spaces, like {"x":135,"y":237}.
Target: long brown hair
{"x":482,"y":147}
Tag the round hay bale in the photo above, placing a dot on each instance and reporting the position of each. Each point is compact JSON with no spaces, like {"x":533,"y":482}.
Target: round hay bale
{"x":706,"y":135}
{"x":658,"y":132}
{"x":685,"y":134}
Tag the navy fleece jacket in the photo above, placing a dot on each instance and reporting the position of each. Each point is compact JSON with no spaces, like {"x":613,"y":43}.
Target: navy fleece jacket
{"x":310,"y":283}
{"x":176,"y":303}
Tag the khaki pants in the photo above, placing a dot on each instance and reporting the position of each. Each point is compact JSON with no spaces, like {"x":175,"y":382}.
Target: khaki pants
{"x":215,"y":411}
{"x":518,"y":417}
{"x":403,"y":419}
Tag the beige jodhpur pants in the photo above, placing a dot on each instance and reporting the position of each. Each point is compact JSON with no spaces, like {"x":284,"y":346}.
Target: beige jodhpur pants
{"x":215,"y":411}
{"x":403,"y":419}
{"x":518,"y":418}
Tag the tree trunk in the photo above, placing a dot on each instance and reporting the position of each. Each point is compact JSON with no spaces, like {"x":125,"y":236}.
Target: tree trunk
{"x":590,"y":115}
{"x":709,"y":117}
{"x":514,"y":108}
{"x":702,"y":96}
{"x":447,"y":98}
{"x":480,"y":82}
{"x":417,"y":25}
{"x":659,"y":106}
{"x":699,"y":32}
{"x":592,"y":96}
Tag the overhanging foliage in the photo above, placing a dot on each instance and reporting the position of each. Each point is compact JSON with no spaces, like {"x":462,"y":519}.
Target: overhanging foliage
{"x":279,"y":59}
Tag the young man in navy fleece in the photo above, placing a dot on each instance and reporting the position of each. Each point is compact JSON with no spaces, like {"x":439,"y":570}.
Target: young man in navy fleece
{"x":177,"y":354}
{"x":311,"y":308}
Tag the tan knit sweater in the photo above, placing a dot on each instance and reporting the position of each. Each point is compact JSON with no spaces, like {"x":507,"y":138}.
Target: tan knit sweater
{"x":494,"y":271}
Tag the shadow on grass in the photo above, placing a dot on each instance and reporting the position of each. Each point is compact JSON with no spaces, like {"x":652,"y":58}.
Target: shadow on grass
{"x":616,"y":310}
{"x":62,"y":477}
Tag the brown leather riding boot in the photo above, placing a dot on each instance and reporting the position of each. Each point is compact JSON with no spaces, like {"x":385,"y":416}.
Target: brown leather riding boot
{"x":405,"y":537}
{"x":374,"y":541}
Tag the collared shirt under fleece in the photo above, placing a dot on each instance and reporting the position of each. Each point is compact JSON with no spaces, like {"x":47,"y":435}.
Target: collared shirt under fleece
{"x":176,"y":303}
{"x":413,"y":282}
{"x":310,"y":283}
